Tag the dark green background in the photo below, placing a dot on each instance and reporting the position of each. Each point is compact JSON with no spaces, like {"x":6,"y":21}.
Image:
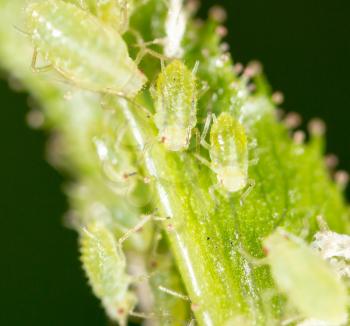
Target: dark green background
{"x":304,"y":46}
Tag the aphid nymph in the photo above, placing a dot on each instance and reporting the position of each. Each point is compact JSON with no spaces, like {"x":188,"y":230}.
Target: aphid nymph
{"x":228,"y":151}
{"x":84,"y":50}
{"x":175,"y":97}
{"x":105,"y":266}
{"x":307,"y":280}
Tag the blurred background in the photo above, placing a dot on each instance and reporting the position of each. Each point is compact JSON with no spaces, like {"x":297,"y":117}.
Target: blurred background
{"x":305,"y":49}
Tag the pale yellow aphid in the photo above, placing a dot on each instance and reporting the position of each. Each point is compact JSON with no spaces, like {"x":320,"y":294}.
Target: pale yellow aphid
{"x":105,"y":265}
{"x":228,"y":151}
{"x":87,"y":52}
{"x":175,"y":96}
{"x":309,"y":283}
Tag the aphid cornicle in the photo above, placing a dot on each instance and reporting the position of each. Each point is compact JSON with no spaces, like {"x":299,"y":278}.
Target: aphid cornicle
{"x":176,"y":105}
{"x":229,"y":152}
{"x":306,"y":279}
{"x":112,"y":12}
{"x":105,"y":266}
{"x":87,"y":52}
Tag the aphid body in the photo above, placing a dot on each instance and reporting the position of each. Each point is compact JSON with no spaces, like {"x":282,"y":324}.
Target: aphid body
{"x":112,"y":152}
{"x":87,"y":52}
{"x":105,"y":266}
{"x":112,"y":12}
{"x":176,"y":105}
{"x":229,"y":152}
{"x":306,"y":279}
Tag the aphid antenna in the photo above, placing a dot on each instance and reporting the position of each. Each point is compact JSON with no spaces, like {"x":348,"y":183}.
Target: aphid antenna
{"x":148,"y":316}
{"x":174,"y":293}
{"x":34,"y":62}
{"x":257,"y":262}
{"x":192,"y":322}
{"x":195,"y":67}
{"x":22,"y":31}
{"x":208,"y":119}
{"x":155,"y":243}
{"x":127,"y":99}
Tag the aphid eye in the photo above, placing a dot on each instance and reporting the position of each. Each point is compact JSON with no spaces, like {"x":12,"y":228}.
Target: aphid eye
{"x":175,"y":96}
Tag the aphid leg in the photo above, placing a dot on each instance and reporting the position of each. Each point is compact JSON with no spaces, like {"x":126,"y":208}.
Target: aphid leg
{"x":203,"y":161}
{"x":251,"y":185}
{"x":144,"y":50}
{"x":195,"y":68}
{"x":212,"y":190}
{"x":174,"y":293}
{"x":203,"y":88}
{"x":192,"y":322}
{"x":253,"y":161}
{"x":205,"y":131}
{"x":145,"y":219}
{"x":34,"y":61}
{"x":21,"y":30}
{"x":252,"y":260}
{"x":198,"y":139}
{"x":136,"y":228}
{"x":143,"y":315}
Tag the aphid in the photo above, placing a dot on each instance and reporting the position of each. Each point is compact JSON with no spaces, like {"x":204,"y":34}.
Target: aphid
{"x":228,"y":150}
{"x":105,"y":266}
{"x":115,"y":158}
{"x":82,"y":49}
{"x":113,"y":12}
{"x":176,"y":105}
{"x":306,"y":279}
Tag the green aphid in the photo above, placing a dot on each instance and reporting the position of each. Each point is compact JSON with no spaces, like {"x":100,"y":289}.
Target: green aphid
{"x":105,"y":266}
{"x":81,"y":48}
{"x":116,"y":13}
{"x":175,"y":97}
{"x":310,"y":284}
{"x":228,"y":151}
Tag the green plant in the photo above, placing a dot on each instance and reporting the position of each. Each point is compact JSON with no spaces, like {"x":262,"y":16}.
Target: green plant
{"x":199,"y":236}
